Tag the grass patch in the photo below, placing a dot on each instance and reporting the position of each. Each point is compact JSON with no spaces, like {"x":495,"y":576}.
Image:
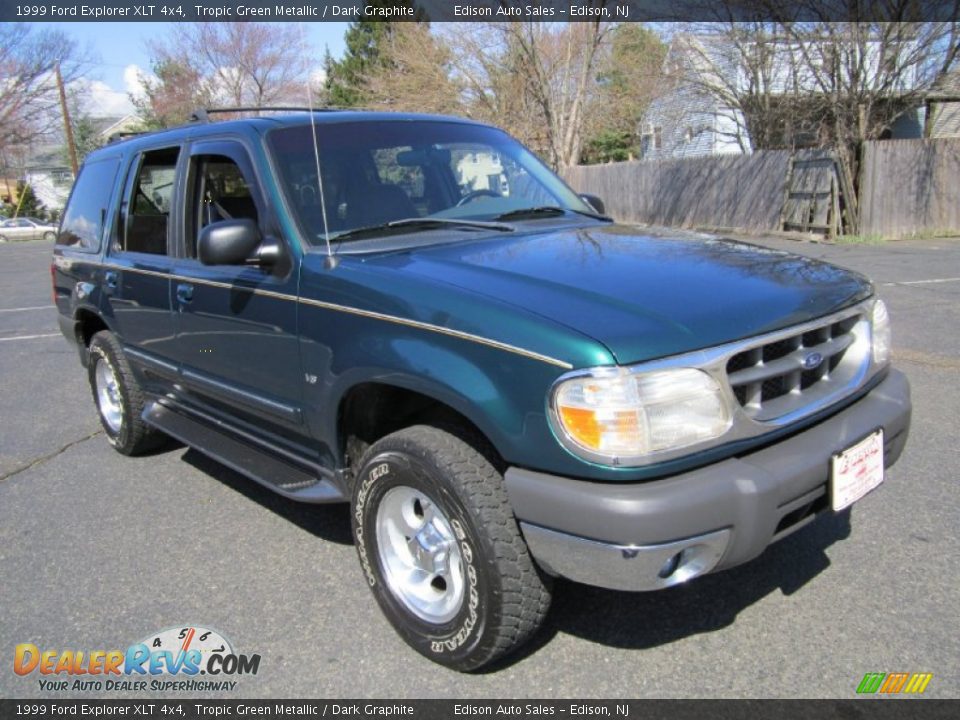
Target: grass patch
{"x":859,"y":239}
{"x":932,"y":234}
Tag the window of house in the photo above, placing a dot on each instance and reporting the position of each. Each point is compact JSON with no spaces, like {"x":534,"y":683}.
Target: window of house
{"x":658,"y":137}
{"x":145,"y":215}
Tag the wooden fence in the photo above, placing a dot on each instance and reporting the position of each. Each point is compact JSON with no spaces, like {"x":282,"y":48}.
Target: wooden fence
{"x":735,"y":191}
{"x":908,"y":187}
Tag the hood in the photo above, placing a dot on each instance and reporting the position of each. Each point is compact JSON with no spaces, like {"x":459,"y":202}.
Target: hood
{"x":643,"y":296}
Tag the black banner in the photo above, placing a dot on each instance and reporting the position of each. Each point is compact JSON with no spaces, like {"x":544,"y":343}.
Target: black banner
{"x":472,"y":10}
{"x":875,"y":709}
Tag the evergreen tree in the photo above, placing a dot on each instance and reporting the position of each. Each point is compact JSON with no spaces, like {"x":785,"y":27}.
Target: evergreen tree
{"x":345,"y":85}
{"x":86,"y":133}
{"x":629,"y":79}
{"x":346,"y":82}
{"x":30,"y":205}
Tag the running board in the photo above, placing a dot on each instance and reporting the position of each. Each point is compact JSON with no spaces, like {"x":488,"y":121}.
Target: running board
{"x":280,"y":476}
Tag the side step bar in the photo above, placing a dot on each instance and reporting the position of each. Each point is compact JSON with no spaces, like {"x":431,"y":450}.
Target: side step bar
{"x":280,"y":476}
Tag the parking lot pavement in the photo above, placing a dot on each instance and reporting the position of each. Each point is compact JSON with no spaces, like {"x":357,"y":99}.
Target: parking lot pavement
{"x":97,"y":551}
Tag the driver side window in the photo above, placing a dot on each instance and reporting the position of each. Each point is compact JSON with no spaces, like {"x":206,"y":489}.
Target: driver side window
{"x":221,"y":192}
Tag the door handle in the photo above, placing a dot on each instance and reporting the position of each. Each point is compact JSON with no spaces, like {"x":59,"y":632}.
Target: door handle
{"x":184,"y":293}
{"x":111,"y":279}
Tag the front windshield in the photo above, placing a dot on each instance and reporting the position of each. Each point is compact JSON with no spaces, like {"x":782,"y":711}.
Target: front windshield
{"x":375,"y":172}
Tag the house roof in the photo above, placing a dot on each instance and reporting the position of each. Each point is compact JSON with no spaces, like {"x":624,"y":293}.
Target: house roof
{"x":947,"y":86}
{"x":48,"y":156}
{"x":107,"y":126}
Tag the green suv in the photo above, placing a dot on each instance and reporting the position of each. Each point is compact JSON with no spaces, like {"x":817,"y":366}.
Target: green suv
{"x":414,"y":315}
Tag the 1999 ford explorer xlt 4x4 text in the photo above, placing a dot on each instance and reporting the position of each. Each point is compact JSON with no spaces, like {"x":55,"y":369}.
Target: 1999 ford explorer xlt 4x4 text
{"x":413,"y":314}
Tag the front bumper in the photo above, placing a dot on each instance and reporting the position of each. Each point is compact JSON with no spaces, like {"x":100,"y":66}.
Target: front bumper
{"x":647,"y":536}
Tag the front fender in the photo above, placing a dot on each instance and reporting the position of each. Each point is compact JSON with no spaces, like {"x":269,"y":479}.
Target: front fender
{"x":502,"y":394}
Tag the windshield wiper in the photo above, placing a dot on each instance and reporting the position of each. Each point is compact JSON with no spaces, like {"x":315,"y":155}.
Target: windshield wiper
{"x":539,"y":211}
{"x":397,"y":226}
{"x":547,"y":211}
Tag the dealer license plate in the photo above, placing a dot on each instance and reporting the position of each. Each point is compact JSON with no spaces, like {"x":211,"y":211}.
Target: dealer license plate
{"x":856,"y":471}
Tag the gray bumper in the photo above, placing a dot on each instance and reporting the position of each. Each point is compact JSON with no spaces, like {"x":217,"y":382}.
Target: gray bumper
{"x":646,"y":536}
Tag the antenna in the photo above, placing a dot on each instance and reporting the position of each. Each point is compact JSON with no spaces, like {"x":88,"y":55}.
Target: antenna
{"x":316,"y":147}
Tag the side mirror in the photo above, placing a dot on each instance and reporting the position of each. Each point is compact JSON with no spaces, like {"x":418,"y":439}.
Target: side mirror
{"x":228,"y":242}
{"x":594,"y":202}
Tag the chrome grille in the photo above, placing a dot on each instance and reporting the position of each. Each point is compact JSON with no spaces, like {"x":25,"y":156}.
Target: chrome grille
{"x":792,"y":371}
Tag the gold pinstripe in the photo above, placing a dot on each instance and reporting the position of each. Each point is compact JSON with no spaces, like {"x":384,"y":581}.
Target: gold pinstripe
{"x":470,"y":337}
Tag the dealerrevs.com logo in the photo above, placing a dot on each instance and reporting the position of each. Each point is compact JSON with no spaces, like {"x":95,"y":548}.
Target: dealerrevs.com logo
{"x":171,"y":660}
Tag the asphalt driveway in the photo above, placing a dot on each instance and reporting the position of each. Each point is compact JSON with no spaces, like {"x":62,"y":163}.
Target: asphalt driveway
{"x":97,"y":551}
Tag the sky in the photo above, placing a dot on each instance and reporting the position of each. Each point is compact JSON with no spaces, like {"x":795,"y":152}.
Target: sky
{"x":120,"y":53}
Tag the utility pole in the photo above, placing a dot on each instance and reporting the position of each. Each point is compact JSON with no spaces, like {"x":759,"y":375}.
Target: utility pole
{"x":67,"y":125}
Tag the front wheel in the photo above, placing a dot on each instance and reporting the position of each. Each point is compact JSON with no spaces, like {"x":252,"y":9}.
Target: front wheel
{"x":441,"y":550}
{"x":49,"y":236}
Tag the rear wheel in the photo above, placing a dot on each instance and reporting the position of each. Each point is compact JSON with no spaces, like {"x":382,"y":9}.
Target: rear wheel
{"x":118,"y":397}
{"x":441,"y":550}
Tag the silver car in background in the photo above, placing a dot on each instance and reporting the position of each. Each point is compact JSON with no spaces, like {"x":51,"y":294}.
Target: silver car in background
{"x":25,"y":228}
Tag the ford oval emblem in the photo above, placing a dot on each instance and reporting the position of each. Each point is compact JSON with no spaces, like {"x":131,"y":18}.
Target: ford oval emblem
{"x":812,"y":361}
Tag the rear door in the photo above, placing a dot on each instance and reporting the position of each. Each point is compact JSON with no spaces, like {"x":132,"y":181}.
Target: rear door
{"x":136,"y":280}
{"x":236,"y":325}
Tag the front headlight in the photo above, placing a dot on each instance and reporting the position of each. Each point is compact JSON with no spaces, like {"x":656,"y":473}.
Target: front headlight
{"x":617,"y":416}
{"x":880,"y":329}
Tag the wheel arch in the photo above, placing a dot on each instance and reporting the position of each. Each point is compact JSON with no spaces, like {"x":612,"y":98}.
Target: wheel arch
{"x":373,"y":408}
{"x":87,"y":323}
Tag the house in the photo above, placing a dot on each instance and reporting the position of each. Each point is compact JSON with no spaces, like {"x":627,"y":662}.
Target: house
{"x":943,"y":107}
{"x":481,"y":171}
{"x":48,"y":171}
{"x":688,"y":120}
{"x":108,"y":127}
{"x":50,"y":176}
{"x":697,"y":115}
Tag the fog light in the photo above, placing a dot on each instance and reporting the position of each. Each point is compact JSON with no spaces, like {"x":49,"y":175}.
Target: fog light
{"x":670,"y":566}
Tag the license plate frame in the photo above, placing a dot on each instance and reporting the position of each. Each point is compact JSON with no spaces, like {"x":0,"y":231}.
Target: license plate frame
{"x":856,"y":470}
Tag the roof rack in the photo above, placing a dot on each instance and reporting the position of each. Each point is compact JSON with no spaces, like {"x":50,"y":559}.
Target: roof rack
{"x":202,"y":115}
{"x":118,"y":136}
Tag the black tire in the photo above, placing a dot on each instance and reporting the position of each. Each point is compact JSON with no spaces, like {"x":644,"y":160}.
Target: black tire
{"x":504,"y":597}
{"x":49,"y":236}
{"x":131,"y":436}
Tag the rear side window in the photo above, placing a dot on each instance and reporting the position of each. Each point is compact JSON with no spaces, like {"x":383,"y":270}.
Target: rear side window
{"x":82,"y":225}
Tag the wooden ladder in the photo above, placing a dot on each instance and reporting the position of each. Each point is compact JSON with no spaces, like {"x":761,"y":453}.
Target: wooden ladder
{"x":818,"y":195}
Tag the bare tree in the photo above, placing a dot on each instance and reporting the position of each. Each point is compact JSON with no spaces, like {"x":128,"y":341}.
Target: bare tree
{"x":484,"y":61}
{"x":537,"y":79}
{"x":558,"y":66}
{"x":868,"y":74}
{"x":247,"y":64}
{"x":782,"y":81}
{"x":171,"y":93}
{"x":29,"y":105}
